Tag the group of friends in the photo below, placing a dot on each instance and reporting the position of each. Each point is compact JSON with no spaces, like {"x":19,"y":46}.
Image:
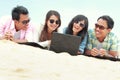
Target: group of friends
{"x":99,"y":41}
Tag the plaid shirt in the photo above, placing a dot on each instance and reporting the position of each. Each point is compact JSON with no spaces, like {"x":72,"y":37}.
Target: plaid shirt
{"x":109,"y":43}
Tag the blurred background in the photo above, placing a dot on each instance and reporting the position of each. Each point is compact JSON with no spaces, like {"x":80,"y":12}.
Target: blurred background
{"x":68,"y":9}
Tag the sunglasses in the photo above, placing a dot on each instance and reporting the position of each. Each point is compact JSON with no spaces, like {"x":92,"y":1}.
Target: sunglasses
{"x":52,"y":21}
{"x":80,"y":24}
{"x":25,"y":21}
{"x":100,"y":26}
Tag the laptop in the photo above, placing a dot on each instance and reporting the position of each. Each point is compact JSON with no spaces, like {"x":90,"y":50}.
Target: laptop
{"x":65,"y":43}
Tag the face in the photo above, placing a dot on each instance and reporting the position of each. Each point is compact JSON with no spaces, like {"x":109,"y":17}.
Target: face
{"x":78,"y":26}
{"x":52,"y":23}
{"x":101,"y":29}
{"x":22,"y":23}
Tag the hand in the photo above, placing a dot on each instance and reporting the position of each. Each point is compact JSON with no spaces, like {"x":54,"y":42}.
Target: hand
{"x":102,"y":52}
{"x":78,"y":53}
{"x":94,"y":52}
{"x":49,"y":42}
{"x":8,"y":35}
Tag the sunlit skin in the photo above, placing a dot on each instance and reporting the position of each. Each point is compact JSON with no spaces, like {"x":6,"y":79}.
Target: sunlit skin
{"x":52,"y":26}
{"x":100,"y":35}
{"x":76,"y":27}
{"x":19,"y":25}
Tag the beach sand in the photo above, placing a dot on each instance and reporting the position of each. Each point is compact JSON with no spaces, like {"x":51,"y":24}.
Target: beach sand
{"x":22,"y":62}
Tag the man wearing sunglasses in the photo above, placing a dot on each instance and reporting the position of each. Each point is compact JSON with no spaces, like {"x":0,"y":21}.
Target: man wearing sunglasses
{"x":101,"y":41}
{"x":16,"y":28}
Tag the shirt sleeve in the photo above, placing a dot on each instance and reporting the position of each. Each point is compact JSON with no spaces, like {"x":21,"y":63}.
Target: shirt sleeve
{"x":2,"y":25}
{"x":89,"y":40}
{"x":30,"y":33}
{"x":5,"y":24}
{"x":114,"y":44}
{"x":83,"y":44}
{"x":64,"y":30}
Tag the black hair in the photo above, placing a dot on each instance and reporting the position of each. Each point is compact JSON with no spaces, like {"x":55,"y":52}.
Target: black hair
{"x":78,"y":18}
{"x":17,"y":11}
{"x":109,"y":20}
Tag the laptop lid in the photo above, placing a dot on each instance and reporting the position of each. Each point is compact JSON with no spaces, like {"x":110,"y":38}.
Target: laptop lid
{"x":65,"y":43}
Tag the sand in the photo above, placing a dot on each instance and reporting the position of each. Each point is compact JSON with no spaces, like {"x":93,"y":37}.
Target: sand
{"x":21,"y":62}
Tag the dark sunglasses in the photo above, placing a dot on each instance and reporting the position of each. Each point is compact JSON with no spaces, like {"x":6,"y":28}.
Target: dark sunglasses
{"x":81,"y":24}
{"x":52,"y":21}
{"x":100,"y":26}
{"x":25,"y":21}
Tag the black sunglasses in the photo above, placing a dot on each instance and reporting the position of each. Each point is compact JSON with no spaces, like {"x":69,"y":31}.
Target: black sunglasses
{"x":80,"y":24}
{"x":52,"y":21}
{"x":25,"y":21}
{"x":100,"y":26}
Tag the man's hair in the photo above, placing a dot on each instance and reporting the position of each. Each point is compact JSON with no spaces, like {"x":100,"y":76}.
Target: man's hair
{"x":17,"y":11}
{"x":109,"y":20}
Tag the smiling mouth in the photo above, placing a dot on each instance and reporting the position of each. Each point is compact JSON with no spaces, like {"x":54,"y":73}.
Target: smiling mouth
{"x":97,"y":32}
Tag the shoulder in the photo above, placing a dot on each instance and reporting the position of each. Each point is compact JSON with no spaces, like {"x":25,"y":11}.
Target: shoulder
{"x":111,"y":38}
{"x":64,"y":29}
{"x":5,"y":18}
{"x":41,"y":26}
{"x":112,"y":35}
{"x":91,"y":33}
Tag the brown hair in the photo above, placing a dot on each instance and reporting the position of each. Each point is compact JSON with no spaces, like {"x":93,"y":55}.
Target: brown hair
{"x":44,"y":34}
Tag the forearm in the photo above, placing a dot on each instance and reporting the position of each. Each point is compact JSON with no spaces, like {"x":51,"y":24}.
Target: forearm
{"x":19,"y":41}
{"x":1,"y":37}
{"x":111,"y":54}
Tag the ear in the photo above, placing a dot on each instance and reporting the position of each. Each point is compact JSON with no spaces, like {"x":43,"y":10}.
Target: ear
{"x":15,"y":21}
{"x":109,"y":30}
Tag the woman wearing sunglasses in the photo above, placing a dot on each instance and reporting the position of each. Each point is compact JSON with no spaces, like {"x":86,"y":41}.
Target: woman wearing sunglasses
{"x":102,"y":42}
{"x":52,"y":23}
{"x":78,"y":26}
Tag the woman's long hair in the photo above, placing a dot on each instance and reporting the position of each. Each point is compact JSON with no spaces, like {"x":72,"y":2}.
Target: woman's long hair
{"x":78,"y":18}
{"x":44,"y":33}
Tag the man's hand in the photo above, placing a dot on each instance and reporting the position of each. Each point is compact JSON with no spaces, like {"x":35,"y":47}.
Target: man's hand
{"x":94,"y":52}
{"x":8,"y":35}
{"x":103,"y":52}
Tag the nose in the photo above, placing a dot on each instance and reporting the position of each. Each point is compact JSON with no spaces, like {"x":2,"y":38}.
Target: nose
{"x":77,"y":25}
{"x":97,"y":28}
{"x":27,"y":24}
